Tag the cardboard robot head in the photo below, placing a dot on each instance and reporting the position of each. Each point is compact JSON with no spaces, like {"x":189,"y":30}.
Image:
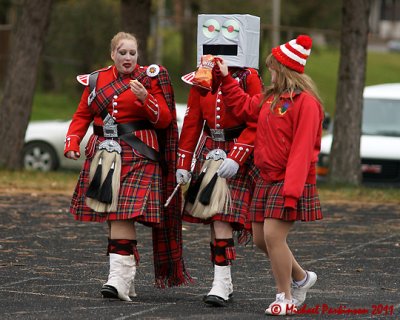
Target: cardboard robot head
{"x":233,"y":37}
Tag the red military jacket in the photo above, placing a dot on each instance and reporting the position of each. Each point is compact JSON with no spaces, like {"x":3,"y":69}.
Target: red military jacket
{"x":211,"y":108}
{"x":124,"y":108}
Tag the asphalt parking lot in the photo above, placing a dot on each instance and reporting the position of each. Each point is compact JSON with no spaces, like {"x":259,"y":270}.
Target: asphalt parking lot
{"x":52,"y":267}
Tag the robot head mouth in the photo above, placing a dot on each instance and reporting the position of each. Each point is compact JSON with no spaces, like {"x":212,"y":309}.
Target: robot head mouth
{"x":220,"y":49}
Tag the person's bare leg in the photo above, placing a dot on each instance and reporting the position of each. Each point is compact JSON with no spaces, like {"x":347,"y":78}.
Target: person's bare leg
{"x":259,"y":240}
{"x":212,"y":233}
{"x":275,"y":232}
{"x":258,"y":236}
{"x":298,"y":273}
{"x":222,"y":230}
{"x":122,"y":229}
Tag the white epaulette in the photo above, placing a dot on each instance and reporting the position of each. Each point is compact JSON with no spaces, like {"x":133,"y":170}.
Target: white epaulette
{"x":84,"y":78}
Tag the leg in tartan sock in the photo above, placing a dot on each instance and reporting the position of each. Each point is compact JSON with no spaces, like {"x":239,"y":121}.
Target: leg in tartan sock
{"x":212,"y":252}
{"x":123,"y":247}
{"x":224,"y":251}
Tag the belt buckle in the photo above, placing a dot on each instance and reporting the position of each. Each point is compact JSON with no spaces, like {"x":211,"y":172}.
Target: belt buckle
{"x":217,"y":134}
{"x":110,"y":131}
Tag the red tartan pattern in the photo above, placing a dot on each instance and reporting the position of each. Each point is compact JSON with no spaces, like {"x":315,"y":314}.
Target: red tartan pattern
{"x":105,"y":94}
{"x":123,"y":247}
{"x":167,"y":242}
{"x":139,"y":196}
{"x":240,"y":186}
{"x":230,"y":253}
{"x":224,"y":251}
{"x":268,"y":202}
{"x":212,"y":252}
{"x":136,"y":253}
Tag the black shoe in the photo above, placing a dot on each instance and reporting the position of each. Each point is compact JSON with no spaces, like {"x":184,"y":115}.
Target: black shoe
{"x":216,"y":301}
{"x":109,"y":292}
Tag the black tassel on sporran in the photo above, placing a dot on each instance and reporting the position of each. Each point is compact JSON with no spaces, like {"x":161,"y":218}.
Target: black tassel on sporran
{"x":194,"y":188}
{"x":106,"y":192}
{"x":94,"y":186}
{"x":205,"y":196}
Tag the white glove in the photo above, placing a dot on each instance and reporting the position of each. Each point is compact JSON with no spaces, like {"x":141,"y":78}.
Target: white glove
{"x":182,"y":176}
{"x":228,"y":168}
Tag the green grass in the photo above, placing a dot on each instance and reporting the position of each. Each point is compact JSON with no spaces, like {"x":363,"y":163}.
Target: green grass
{"x":53,"y":106}
{"x":383,"y":68}
{"x":323,"y":67}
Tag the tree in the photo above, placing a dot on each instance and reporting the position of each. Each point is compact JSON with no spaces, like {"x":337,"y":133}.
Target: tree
{"x":135,"y":18}
{"x":77,"y":42}
{"x":16,"y":106}
{"x":185,"y":18}
{"x":345,"y":159}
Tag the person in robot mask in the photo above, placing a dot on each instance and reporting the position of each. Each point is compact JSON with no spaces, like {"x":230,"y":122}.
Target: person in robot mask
{"x":215,"y":165}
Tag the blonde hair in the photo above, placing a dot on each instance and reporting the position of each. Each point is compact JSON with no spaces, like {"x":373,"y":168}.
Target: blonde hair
{"x":287,"y":81}
{"x":122,"y":36}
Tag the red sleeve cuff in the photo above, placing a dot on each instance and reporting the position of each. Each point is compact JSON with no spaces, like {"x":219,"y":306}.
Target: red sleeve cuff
{"x":240,"y":153}
{"x":184,"y":160}
{"x":71,"y":144}
{"x":290,"y":202}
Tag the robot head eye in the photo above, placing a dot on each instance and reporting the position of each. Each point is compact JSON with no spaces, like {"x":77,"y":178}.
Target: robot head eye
{"x":230,"y":29}
{"x":211,"y":28}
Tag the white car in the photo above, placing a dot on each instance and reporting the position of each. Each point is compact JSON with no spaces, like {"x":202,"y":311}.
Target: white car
{"x":380,"y":140}
{"x":44,"y":144}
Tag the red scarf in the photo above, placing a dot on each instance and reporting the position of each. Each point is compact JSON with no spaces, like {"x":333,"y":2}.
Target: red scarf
{"x":105,"y":94}
{"x":167,"y":241}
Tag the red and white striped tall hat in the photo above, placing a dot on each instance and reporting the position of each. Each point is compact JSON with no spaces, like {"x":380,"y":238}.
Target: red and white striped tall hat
{"x":294,"y":53}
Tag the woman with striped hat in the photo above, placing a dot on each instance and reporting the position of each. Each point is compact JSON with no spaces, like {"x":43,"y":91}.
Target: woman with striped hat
{"x":289,"y":119}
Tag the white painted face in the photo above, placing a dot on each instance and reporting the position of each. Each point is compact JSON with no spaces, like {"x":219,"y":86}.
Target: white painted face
{"x":235,"y":38}
{"x":125,"y":56}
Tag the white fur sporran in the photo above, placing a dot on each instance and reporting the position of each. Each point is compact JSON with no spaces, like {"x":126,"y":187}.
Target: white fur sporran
{"x":220,"y":200}
{"x":109,"y":157}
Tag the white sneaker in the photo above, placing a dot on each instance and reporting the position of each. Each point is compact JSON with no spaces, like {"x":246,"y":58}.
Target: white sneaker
{"x":299,"y":292}
{"x":281,"y":306}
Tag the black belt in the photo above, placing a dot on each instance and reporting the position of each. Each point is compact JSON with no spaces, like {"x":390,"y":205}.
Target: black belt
{"x":125,"y":133}
{"x":226,"y":134}
{"x":124,"y":128}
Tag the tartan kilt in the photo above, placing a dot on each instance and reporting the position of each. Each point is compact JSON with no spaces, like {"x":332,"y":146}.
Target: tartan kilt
{"x":240,"y":186}
{"x":140,"y":188}
{"x":268,"y":202}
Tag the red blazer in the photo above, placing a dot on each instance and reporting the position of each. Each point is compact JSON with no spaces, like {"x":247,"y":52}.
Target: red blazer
{"x":124,"y":108}
{"x":212,"y":108}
